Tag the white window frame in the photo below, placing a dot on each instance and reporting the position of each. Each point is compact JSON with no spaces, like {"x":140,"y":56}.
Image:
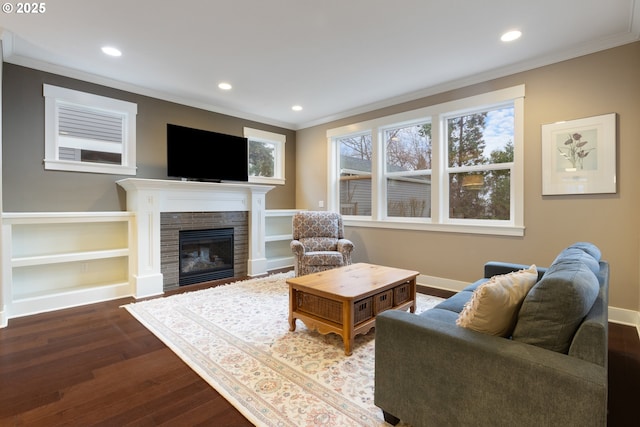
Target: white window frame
{"x":55,"y":97}
{"x":278,"y":141}
{"x":439,"y":220}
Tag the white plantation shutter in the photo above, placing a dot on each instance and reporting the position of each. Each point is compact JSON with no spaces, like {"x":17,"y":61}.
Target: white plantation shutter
{"x":88,"y":133}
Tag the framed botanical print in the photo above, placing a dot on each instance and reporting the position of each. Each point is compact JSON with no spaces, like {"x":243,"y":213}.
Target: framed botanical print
{"x":579,"y":156}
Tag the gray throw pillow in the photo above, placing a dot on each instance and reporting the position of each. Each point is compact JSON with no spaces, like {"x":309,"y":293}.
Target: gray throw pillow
{"x":555,"y":306}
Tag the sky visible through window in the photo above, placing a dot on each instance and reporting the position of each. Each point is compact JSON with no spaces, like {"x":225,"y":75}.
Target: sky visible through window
{"x":499,"y":129}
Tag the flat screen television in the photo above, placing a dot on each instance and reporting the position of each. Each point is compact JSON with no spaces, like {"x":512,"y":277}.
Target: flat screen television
{"x":206,"y":156}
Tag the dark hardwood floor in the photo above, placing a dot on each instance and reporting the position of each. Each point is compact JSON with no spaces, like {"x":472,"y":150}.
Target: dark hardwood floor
{"x":96,"y":365}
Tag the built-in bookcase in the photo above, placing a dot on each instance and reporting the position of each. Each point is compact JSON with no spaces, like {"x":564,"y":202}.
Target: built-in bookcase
{"x":278,"y":225}
{"x":55,"y":260}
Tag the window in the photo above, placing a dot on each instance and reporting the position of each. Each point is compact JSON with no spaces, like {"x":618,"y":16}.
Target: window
{"x":450,"y":167}
{"x":89,"y":133}
{"x":480,"y":163}
{"x":266,"y":156}
{"x":407,"y":152}
{"x":355,"y":174}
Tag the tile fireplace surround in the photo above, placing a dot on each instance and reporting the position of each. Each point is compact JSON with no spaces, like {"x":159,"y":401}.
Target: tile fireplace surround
{"x":147,"y":198}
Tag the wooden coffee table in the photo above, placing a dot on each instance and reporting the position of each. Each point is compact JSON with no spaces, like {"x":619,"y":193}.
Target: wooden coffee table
{"x":346,"y":300}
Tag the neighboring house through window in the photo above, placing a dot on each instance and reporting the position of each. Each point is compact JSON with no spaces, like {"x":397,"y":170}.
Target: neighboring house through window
{"x":456,"y":166}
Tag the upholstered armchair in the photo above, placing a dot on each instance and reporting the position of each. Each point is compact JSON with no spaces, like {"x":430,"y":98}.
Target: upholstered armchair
{"x":318,"y":242}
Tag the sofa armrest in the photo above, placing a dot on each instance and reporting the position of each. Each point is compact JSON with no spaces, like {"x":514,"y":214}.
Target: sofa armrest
{"x":430,"y":372}
{"x":494,"y":268}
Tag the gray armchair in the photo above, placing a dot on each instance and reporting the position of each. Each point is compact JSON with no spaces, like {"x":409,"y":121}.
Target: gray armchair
{"x":318,"y":242}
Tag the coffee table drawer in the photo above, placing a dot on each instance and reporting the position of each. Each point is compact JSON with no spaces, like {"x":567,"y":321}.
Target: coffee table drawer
{"x":328,"y":309}
{"x":382,"y":301}
{"x":362,"y":310}
{"x":320,"y":306}
{"x":401,"y":293}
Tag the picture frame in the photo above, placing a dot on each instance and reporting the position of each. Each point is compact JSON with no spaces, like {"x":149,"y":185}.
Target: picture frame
{"x":579,"y":156}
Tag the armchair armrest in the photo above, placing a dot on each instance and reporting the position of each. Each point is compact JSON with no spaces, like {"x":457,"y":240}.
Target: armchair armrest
{"x":430,"y":372}
{"x":345,"y":246}
{"x":297,"y":247}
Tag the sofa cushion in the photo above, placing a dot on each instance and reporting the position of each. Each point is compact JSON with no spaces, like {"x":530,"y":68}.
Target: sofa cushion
{"x":493,"y":307}
{"x":555,"y":306}
{"x":456,"y":302}
{"x":472,"y":287}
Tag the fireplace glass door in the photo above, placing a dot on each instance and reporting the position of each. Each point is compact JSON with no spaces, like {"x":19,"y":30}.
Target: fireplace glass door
{"x":205,"y":255}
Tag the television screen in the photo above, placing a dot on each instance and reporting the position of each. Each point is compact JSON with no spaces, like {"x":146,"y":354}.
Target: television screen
{"x":204,"y":155}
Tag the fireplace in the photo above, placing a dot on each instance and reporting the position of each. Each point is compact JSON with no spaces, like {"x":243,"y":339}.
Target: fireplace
{"x":154,"y":269}
{"x":205,"y":255}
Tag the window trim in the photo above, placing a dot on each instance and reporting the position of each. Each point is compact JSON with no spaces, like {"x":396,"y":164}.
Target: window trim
{"x":55,"y":97}
{"x":279,"y":142}
{"x":439,"y":220}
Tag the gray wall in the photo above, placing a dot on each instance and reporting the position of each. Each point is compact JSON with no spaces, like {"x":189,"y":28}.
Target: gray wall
{"x":28,"y":187}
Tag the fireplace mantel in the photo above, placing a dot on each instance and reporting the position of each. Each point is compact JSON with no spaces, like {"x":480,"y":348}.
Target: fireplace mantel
{"x":149,"y":197}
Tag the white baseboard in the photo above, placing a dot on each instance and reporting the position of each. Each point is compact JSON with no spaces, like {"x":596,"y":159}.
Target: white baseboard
{"x":616,"y":315}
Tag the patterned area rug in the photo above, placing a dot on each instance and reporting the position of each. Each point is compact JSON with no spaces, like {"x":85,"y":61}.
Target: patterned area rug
{"x":237,"y":338}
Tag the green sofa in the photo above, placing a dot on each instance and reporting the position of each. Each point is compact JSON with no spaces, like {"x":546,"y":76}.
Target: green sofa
{"x":551,"y":370}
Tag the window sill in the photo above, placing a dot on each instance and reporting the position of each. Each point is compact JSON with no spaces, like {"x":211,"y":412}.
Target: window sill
{"x":265,"y":180}
{"x":488,"y":229}
{"x":62,"y":165}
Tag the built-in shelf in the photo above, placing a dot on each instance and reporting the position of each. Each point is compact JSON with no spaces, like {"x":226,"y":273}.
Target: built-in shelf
{"x":278,"y":236}
{"x":56,"y":260}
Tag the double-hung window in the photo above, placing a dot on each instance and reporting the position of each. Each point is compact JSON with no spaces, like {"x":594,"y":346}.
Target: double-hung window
{"x":355,"y":163}
{"x":450,"y":167}
{"x":407,"y":170}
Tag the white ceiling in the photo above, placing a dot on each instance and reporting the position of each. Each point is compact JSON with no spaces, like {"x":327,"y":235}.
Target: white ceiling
{"x":333,"y":57}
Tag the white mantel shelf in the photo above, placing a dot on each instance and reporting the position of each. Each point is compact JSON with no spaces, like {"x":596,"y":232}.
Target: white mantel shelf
{"x":147,"y":198}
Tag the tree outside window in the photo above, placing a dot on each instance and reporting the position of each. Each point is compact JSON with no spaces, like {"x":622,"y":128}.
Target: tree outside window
{"x":266,"y":156}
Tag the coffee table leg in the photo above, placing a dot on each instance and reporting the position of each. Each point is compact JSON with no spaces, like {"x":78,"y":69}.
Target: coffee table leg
{"x":292,"y":301}
{"x":412,"y":292}
{"x":347,"y":326}
{"x":348,"y":343}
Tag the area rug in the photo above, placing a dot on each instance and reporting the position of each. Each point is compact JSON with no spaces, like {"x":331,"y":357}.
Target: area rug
{"x":237,"y":338}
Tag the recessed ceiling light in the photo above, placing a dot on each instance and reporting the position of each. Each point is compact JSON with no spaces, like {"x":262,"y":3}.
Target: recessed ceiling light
{"x":225,"y":86}
{"x":510,"y":36}
{"x":297,"y":108}
{"x":111,"y":51}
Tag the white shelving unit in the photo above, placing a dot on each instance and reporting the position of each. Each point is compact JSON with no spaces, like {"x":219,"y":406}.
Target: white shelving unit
{"x":278,"y":237}
{"x":55,"y":260}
